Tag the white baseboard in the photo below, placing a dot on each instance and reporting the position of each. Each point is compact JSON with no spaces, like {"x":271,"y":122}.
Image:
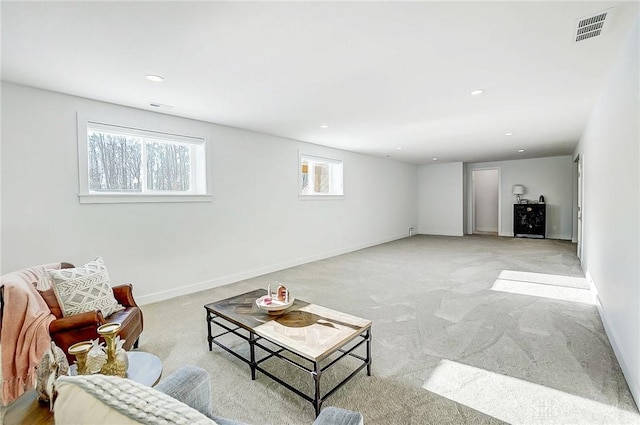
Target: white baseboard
{"x":441,"y":233}
{"x":559,"y":236}
{"x":631,"y":378}
{"x":225,"y":280}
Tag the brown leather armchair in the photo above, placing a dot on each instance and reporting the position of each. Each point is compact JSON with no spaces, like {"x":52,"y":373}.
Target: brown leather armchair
{"x":66,"y":331}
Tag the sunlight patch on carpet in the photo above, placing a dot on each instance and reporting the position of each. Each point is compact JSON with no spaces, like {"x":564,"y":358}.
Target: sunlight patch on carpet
{"x":517,"y":401}
{"x":556,"y":287}
{"x":545,"y":279}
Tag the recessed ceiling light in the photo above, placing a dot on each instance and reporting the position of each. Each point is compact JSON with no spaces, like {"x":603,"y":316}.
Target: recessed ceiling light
{"x":399,"y":148}
{"x":434,"y":159}
{"x":154,"y":78}
{"x":521,"y":150}
{"x":324,"y":126}
{"x":477,"y":92}
{"x":508,"y":134}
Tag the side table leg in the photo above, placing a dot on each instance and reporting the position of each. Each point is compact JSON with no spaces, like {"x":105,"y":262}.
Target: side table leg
{"x":317,"y":401}
{"x":252,"y":349}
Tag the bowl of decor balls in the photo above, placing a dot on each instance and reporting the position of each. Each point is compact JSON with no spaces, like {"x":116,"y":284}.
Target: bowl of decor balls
{"x":275,"y":302}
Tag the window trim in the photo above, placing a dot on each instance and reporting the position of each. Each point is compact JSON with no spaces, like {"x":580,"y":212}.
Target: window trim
{"x":85,"y":196}
{"x":123,"y":198}
{"x":315,"y":196}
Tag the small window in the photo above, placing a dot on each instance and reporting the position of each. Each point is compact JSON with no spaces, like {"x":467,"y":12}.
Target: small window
{"x":320,"y":176}
{"x":132,"y":165}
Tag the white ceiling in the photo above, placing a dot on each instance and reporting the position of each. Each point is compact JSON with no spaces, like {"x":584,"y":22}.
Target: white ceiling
{"x":382,"y":75}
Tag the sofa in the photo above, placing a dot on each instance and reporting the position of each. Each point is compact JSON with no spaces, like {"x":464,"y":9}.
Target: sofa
{"x":182,"y":398}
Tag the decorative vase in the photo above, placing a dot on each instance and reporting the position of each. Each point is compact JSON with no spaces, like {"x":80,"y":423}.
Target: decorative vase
{"x":53,"y":364}
{"x":282,"y":293}
{"x":80,"y":350}
{"x":96,"y":357}
{"x":121,"y":354}
{"x":115,"y":364}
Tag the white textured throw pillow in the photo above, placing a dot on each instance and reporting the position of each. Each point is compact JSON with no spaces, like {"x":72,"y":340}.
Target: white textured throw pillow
{"x":84,"y":288}
{"x":101,"y":399}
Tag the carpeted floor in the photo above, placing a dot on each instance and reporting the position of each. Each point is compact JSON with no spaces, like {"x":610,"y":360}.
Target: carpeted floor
{"x":446,"y":346}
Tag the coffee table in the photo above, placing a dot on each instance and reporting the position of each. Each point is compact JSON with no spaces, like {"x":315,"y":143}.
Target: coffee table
{"x":316,"y":336}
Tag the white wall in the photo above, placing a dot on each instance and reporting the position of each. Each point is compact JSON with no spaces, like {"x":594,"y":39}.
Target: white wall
{"x":551,"y":177}
{"x":609,"y":152}
{"x":440,"y":199}
{"x":485,"y":200}
{"x":255,"y":224}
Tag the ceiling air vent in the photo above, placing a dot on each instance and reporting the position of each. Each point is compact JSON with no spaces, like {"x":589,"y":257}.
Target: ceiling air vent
{"x":591,"y":26}
{"x":160,"y":105}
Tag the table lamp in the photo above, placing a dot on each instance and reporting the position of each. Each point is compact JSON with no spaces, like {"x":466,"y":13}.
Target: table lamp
{"x":518,"y":190}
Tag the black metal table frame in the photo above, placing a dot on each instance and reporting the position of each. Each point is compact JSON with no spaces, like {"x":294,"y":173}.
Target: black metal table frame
{"x":316,"y":371}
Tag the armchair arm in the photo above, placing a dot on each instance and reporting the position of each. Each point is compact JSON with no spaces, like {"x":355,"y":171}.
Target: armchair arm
{"x":190,"y":385}
{"x":77,"y":321}
{"x":124,"y":295}
{"x":337,"y":416}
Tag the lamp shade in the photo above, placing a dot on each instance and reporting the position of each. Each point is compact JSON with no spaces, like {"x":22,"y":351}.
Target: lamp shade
{"x":518,"y":189}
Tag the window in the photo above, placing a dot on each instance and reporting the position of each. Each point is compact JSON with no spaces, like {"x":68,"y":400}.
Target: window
{"x":320,"y":176}
{"x":123,"y":164}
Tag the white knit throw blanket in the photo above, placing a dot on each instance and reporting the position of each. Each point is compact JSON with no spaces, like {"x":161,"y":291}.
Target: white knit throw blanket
{"x":136,"y":401}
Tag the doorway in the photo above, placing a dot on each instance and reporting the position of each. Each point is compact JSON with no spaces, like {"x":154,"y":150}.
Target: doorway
{"x":485,"y":201}
{"x":579,"y":164}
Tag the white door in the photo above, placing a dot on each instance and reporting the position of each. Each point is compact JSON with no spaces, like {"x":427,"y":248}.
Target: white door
{"x":485,"y":211}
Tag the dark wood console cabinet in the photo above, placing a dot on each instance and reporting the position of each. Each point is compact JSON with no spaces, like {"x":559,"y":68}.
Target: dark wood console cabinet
{"x":529,"y":220}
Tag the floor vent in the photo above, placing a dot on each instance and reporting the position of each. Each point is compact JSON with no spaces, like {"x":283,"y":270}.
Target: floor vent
{"x":591,"y":26}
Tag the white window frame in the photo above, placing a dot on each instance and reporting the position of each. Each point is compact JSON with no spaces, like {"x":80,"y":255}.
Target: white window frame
{"x":199,"y":183}
{"x":330,"y":161}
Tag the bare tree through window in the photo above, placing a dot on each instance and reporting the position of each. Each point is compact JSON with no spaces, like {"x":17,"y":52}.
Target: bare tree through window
{"x":168,"y":167}
{"x":114,"y":162}
{"x":122,"y":163}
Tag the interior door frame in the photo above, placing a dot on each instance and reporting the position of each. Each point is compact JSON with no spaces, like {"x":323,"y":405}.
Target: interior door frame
{"x":580,"y":201}
{"x":472,"y":204}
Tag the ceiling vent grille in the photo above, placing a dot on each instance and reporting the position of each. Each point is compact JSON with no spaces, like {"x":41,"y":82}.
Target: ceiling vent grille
{"x":591,"y":26}
{"x":160,"y":105}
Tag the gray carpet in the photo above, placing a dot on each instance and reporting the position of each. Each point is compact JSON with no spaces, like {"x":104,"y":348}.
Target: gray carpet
{"x":439,"y":334}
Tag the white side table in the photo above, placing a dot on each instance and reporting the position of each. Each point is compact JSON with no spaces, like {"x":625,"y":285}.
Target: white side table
{"x":145,"y":368}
